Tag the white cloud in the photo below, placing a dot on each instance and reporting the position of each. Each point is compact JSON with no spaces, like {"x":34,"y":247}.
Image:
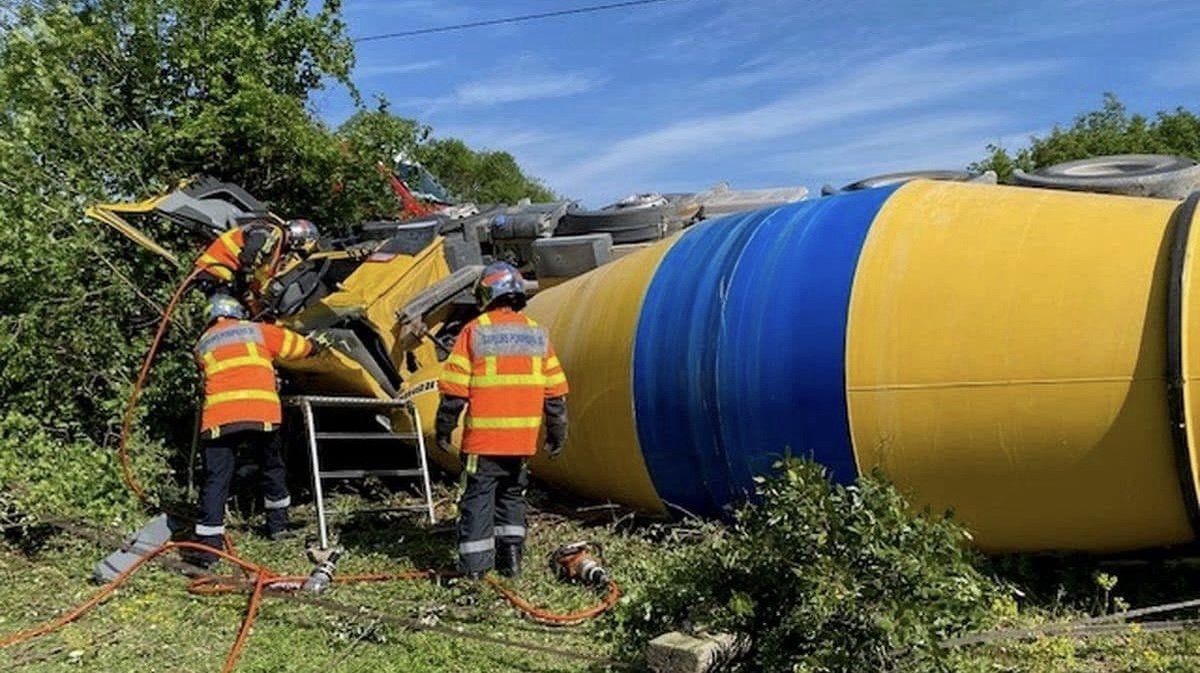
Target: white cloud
{"x":947,"y":141}
{"x":907,"y":80}
{"x":522,"y":82}
{"x":367,"y":71}
{"x":522,"y":87}
{"x":770,"y":69}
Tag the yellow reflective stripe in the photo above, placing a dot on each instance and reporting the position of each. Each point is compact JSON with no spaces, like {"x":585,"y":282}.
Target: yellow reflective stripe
{"x":491,"y":365}
{"x":509,"y":423}
{"x":215,"y":267}
{"x":472,"y":464}
{"x":459,"y":361}
{"x":497,"y":380}
{"x":241,"y":396}
{"x":291,"y":345}
{"x":556,"y":379}
{"x":232,"y":244}
{"x":244,"y":361}
{"x":297,"y":345}
{"x":537,"y":366}
{"x":553,"y":362}
{"x":455,"y":377}
{"x":485,"y":319}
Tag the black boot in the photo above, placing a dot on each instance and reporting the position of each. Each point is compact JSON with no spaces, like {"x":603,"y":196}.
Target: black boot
{"x":203,"y":559}
{"x":277,"y":525}
{"x":508,"y":559}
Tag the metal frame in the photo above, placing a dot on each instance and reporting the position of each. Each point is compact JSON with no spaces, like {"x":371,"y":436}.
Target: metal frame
{"x":308,"y":402}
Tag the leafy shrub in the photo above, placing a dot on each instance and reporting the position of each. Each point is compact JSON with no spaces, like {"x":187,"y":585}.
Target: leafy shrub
{"x":820,"y":577}
{"x":44,"y":475}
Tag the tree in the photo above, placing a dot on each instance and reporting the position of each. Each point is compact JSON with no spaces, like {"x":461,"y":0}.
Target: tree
{"x":112,"y":99}
{"x":376,"y":135}
{"x":369,"y":137}
{"x":482,"y":177}
{"x":1109,"y":130}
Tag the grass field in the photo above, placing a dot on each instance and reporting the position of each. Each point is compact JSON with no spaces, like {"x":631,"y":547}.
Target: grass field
{"x":153,"y":624}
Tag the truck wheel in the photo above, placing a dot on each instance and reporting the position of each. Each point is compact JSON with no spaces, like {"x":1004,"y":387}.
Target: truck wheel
{"x":1156,"y":175}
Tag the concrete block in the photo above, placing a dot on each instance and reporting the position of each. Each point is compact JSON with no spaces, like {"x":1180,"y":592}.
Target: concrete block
{"x":678,"y":652}
{"x":570,"y":256}
{"x":153,"y":534}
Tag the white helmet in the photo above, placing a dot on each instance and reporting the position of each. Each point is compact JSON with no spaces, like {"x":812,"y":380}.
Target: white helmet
{"x":302,"y":235}
{"x":224,"y":306}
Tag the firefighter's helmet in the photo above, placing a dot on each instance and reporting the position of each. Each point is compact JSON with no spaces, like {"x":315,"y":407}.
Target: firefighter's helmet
{"x":302,"y":235}
{"x":224,"y":306}
{"x":499,"y":279}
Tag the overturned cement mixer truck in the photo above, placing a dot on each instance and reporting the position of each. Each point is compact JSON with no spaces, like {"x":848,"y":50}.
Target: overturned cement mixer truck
{"x":1023,"y":355}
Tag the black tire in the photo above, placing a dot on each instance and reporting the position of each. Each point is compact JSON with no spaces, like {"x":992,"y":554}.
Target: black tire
{"x":632,"y":225}
{"x":905,"y":176}
{"x":1156,"y":175}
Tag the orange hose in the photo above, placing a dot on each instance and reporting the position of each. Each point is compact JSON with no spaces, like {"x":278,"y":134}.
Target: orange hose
{"x":544,"y":616}
{"x":127,"y":419}
{"x":263,"y":578}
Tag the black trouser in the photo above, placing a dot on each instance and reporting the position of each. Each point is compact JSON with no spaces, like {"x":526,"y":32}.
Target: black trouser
{"x":220,"y":459}
{"x":491,"y":511}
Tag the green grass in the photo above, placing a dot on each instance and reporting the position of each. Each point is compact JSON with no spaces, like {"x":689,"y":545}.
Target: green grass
{"x":153,"y":624}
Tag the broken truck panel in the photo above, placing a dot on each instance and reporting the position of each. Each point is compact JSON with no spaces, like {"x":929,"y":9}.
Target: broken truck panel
{"x":203,"y":207}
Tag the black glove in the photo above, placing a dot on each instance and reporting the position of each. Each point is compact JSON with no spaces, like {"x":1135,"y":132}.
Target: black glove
{"x":449,"y":410}
{"x":555,"y":409}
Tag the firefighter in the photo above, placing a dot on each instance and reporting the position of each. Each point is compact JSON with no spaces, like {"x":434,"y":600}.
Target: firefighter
{"x":242,"y":411}
{"x":503,"y":370}
{"x":243,"y":260}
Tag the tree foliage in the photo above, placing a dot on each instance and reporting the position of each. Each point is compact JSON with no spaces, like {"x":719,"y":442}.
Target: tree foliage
{"x":1108,"y":130}
{"x":820,"y":577}
{"x":480,"y":176}
{"x":112,"y":100}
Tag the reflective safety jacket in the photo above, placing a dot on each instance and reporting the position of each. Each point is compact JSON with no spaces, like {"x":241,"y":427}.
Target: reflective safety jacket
{"x":237,"y":359}
{"x":505,"y":367}
{"x":244,"y":257}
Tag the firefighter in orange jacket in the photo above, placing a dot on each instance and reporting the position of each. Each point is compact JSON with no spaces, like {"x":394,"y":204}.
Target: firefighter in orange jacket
{"x":243,"y":260}
{"x":242,"y":411}
{"x":504,"y":371}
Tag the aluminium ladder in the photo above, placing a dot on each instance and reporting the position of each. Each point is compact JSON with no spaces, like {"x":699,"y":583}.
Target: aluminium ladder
{"x":308,"y":403}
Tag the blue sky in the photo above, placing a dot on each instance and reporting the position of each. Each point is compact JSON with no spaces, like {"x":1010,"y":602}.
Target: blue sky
{"x":764,"y":93}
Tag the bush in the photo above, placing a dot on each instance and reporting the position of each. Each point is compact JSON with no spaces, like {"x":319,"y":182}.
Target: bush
{"x":820,"y":577}
{"x":46,"y":476}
